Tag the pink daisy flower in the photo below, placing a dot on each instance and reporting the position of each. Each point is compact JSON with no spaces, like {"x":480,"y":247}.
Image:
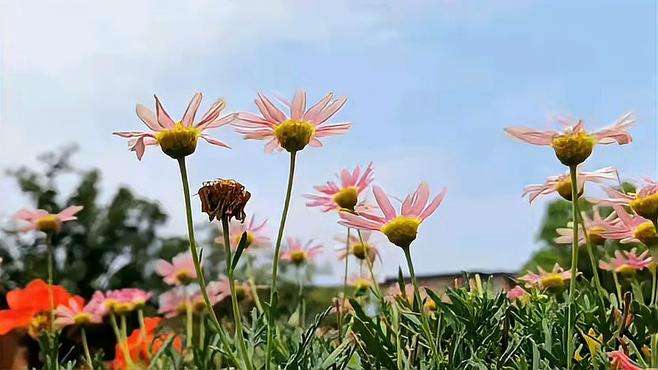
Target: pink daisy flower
{"x":620,"y":361}
{"x":543,"y":279}
{"x":299,"y":254}
{"x":42,"y":220}
{"x":400,"y":229}
{"x":573,"y":145}
{"x":516,"y":293}
{"x":561,"y":184}
{"x":629,"y":228}
{"x":346,"y":196}
{"x":76,"y":313}
{"x":595,"y":227}
{"x":221,"y":290}
{"x":292,"y":132}
{"x":256,"y":234}
{"x":179,"y":271}
{"x":119,"y":301}
{"x":176,"y":139}
{"x":627,"y":262}
{"x":173,"y":302}
{"x":356,"y":248}
{"x":644,"y":202}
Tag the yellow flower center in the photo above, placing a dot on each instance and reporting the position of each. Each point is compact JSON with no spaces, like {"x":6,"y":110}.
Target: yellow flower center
{"x":572,"y":149}
{"x":401,"y":230}
{"x":360,"y":251}
{"x":596,"y":235}
{"x":552,"y":280}
{"x":179,"y":141}
{"x":361,"y":285}
{"x":563,"y":188}
{"x":38,"y":325}
{"x":293,"y":135}
{"x":626,"y":270}
{"x":430,"y":305}
{"x":183,"y":277}
{"x":347,"y":198}
{"x":49,"y":224}
{"x":123,"y":308}
{"x":646,"y":207}
{"x":646,"y":233}
{"x":298,"y":257}
{"x":82,"y":318}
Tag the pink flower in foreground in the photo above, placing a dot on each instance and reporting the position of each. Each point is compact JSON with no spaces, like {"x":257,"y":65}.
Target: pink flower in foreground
{"x":300,"y":254}
{"x":627,"y":262}
{"x":256,"y":234}
{"x":76,"y":313}
{"x":620,"y":361}
{"x":221,"y":290}
{"x":573,"y":145}
{"x":292,"y":133}
{"x":595,"y":227}
{"x":41,"y":220}
{"x":561,"y":184}
{"x":173,"y":302}
{"x":119,"y":301}
{"x":400,"y":229}
{"x":542,"y":279}
{"x":176,"y":139}
{"x":179,"y":271}
{"x":644,"y":202}
{"x":629,"y":228}
{"x":344,"y":196}
{"x":359,"y":248}
{"x":516,"y":293}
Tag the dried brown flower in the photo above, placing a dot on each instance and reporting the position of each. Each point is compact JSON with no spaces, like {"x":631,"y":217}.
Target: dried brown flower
{"x":224,"y":198}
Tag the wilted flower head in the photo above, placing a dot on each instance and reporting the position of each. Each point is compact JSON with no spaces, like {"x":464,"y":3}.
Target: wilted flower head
{"x":76,"y":313}
{"x":620,"y":361}
{"x":594,"y":227}
{"x":176,"y":139}
{"x":627,"y":262}
{"x":344,"y":196}
{"x":41,"y":220}
{"x":224,"y":198}
{"x":179,"y":271}
{"x":644,"y":202}
{"x":630,"y":228}
{"x":300,"y":254}
{"x":256,"y":234}
{"x":359,"y":247}
{"x":561,"y":184}
{"x":119,"y":301}
{"x":295,"y":131}
{"x":556,"y":278}
{"x":400,"y":229}
{"x":573,"y":145}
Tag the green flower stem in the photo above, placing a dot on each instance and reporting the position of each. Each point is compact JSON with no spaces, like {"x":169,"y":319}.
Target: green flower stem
{"x":302,"y":302}
{"x":339,"y":313}
{"x":378,"y":291}
{"x":121,"y":340}
{"x":654,"y":351}
{"x":237,"y":317}
{"x":51,"y":299}
{"x":275,"y":262}
{"x":85,"y":347}
{"x":574,"y":265}
{"x":419,"y":303}
{"x":592,"y":260}
{"x":252,"y":284}
{"x":190,"y":233}
{"x":189,"y":325}
{"x":140,"y":319}
{"x":653,"y":286}
{"x":618,"y":287}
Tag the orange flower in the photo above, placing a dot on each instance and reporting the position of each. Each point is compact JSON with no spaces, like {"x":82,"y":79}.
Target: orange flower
{"x":27,"y":306}
{"x":142,"y":346}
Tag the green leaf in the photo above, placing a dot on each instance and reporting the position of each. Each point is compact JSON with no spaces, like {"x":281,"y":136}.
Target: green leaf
{"x":242,"y":245}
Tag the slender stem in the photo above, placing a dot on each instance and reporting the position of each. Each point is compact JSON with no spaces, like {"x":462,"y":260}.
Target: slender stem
{"x":252,"y":284}
{"x":85,"y":347}
{"x":202,"y":329}
{"x":339,"y":313}
{"x":419,"y":304}
{"x":237,"y":317}
{"x":302,"y":303}
{"x":142,"y":326}
{"x":592,"y":257}
{"x":574,"y":265}
{"x":51,"y":300}
{"x":653,"y":285}
{"x":275,"y":262}
{"x":370,"y":266}
{"x":654,"y":351}
{"x":190,"y":233}
{"x":618,"y":287}
{"x":121,"y":340}
{"x":189,"y":325}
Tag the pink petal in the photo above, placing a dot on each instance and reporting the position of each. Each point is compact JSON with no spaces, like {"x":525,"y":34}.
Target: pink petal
{"x":269,"y":109}
{"x":190,"y":111}
{"x":531,"y":136}
{"x":329,"y":110}
{"x":433,"y":205}
{"x":298,"y":105}
{"x":214,"y":141}
{"x":163,"y":118}
{"x":68,"y":213}
{"x":352,"y":220}
{"x":312,"y":112}
{"x":147,"y":117}
{"x":383,"y":202}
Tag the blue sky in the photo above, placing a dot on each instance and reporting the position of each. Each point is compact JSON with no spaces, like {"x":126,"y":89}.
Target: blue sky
{"x":431,"y":84}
